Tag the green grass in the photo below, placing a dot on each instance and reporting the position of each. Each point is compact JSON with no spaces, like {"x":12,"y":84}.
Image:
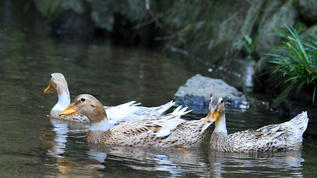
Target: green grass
{"x":296,"y":62}
{"x":247,"y":44}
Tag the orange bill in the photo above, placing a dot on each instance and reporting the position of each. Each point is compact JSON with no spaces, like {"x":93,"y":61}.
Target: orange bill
{"x":70,"y":110}
{"x":49,"y":89}
{"x":214,"y":116}
{"x":207,"y":117}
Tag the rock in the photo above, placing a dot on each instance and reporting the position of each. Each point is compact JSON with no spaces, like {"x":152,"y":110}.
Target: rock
{"x":205,"y":87}
{"x":280,"y":17}
{"x":310,"y":31}
{"x":211,"y":28}
{"x":104,"y":13}
{"x":307,"y":9}
{"x":197,"y":92}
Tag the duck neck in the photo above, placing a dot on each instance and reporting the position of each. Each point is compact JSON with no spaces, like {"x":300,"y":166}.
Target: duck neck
{"x":103,"y":125}
{"x":220,"y":125}
{"x":63,"y":101}
{"x":219,"y":138}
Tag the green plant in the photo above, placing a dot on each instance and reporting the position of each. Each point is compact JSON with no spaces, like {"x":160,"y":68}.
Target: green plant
{"x":50,"y":9}
{"x":296,"y":62}
{"x":247,"y":44}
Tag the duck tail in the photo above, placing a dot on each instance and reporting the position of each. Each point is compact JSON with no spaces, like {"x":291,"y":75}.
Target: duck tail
{"x":300,"y":121}
{"x":179,"y":112}
{"x":161,"y":109}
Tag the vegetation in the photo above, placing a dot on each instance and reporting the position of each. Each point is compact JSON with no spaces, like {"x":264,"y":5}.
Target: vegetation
{"x":50,"y":9}
{"x":295,"y":62}
{"x":247,"y":44}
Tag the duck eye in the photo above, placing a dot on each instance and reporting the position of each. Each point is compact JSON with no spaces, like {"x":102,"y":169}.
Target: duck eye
{"x":221,"y":101}
{"x":83,"y":99}
{"x":51,"y":76}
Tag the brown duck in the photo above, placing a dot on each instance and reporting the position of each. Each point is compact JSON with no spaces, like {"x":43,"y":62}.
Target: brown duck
{"x":167,"y":131}
{"x":276,"y":137}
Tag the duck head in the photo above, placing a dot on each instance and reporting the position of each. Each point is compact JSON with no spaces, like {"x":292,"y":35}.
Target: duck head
{"x":57,"y":84}
{"x":216,"y":108}
{"x":87,"y":105}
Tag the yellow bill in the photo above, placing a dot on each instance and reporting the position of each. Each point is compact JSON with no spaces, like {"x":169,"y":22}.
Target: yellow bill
{"x":213,"y":118}
{"x":70,"y":110}
{"x":49,"y":89}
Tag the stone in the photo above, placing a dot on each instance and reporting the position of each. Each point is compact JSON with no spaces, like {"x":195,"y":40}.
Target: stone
{"x":197,"y":92}
{"x":307,"y":9}
{"x":205,"y":87}
{"x":280,"y":18}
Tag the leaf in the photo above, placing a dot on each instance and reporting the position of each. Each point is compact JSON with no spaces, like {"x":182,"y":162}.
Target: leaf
{"x":283,"y":95}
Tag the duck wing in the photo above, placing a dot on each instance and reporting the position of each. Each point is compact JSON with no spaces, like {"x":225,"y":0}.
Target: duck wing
{"x":162,"y":127}
{"x":132,"y":111}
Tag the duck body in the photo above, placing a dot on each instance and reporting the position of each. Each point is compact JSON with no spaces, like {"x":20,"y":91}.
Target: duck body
{"x":54,"y":115}
{"x":167,"y":131}
{"x":140,"y":134}
{"x":116,"y":114}
{"x":275,"y":137}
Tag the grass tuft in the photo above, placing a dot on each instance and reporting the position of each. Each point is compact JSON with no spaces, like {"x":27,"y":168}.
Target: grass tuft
{"x":296,"y":61}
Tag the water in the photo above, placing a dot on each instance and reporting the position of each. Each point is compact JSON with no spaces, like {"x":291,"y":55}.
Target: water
{"x":32,"y":145}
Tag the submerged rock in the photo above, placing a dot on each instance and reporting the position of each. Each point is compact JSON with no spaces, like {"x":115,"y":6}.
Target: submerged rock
{"x":197,"y":91}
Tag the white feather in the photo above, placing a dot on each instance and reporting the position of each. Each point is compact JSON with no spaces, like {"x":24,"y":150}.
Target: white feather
{"x":63,"y":102}
{"x":101,"y":126}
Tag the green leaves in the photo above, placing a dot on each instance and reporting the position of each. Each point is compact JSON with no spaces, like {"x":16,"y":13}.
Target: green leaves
{"x":247,"y":44}
{"x":296,"y":61}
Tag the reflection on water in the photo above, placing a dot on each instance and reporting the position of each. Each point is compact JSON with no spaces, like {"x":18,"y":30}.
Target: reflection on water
{"x":31,"y":145}
{"x":174,"y":161}
{"x":62,"y":130}
{"x":225,"y":164}
{"x":81,"y":159}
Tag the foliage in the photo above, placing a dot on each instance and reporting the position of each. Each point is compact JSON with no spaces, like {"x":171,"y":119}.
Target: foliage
{"x":247,"y":43}
{"x":296,"y":61}
{"x":49,"y":8}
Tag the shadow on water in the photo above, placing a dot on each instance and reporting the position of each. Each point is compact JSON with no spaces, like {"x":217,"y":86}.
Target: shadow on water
{"x":32,"y":145}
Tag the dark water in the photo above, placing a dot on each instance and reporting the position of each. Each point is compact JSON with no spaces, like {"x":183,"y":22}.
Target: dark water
{"x":31,"y":145}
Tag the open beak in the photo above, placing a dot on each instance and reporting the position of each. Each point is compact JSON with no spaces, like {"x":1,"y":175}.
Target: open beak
{"x":212,"y":116}
{"x":49,"y":89}
{"x":70,"y":110}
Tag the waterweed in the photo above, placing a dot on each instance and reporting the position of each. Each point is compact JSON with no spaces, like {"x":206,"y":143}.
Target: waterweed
{"x":295,"y":62}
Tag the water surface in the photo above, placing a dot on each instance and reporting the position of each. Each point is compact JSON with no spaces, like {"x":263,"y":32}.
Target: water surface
{"x":32,"y":145}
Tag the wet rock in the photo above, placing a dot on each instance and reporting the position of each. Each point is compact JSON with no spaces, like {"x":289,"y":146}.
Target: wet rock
{"x":276,"y":19}
{"x":211,"y":28}
{"x":309,"y":31}
{"x":104,"y":13}
{"x":307,"y":9}
{"x":197,"y":92}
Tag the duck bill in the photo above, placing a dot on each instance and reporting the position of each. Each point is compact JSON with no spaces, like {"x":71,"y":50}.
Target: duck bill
{"x":49,"y":89}
{"x":212,"y":116}
{"x":70,"y":110}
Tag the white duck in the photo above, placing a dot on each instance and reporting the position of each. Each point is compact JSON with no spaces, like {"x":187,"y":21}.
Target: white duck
{"x":124,"y":112}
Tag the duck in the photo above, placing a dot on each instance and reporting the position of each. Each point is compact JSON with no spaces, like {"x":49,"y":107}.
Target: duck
{"x":116,"y":114}
{"x":169,"y":130}
{"x":275,"y":137}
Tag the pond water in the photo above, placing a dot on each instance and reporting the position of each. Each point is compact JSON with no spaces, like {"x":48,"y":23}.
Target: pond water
{"x":32,"y":145}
